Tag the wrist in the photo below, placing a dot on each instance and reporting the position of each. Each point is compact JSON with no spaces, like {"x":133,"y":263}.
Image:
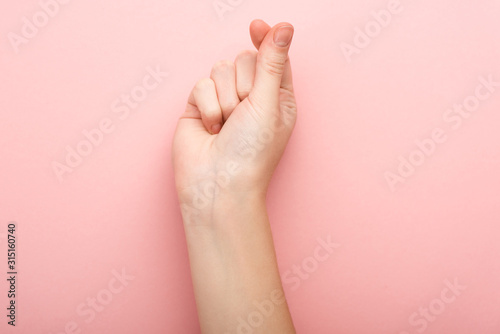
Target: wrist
{"x":209,"y":206}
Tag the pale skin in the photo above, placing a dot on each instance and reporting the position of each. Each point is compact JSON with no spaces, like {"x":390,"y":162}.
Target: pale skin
{"x":227,"y":145}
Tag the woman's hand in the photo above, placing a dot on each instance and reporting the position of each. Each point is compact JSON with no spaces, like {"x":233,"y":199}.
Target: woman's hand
{"x":236,"y":124}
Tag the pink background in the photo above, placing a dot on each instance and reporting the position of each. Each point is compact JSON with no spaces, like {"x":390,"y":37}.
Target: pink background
{"x":118,"y":208}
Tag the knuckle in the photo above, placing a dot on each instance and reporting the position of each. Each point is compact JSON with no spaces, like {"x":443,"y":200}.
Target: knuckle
{"x":222,"y":66}
{"x":246,"y":54}
{"x":203,"y":84}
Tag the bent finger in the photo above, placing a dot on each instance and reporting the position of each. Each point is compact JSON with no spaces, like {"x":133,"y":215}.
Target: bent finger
{"x":204,"y":97}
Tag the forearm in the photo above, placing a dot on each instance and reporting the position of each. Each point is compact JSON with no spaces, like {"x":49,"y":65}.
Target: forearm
{"x":234,"y":267}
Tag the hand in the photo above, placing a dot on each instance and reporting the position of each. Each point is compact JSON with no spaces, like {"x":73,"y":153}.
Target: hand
{"x":237,"y":122}
{"x":226,"y":147}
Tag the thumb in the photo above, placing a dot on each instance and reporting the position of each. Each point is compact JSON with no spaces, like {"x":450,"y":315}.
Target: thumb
{"x":271,"y":59}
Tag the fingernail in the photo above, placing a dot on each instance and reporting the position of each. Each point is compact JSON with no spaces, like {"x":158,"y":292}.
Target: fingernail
{"x":283,"y":36}
{"x":216,"y":128}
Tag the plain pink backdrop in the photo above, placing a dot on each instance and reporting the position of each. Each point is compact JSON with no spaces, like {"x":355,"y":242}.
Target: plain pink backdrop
{"x":118,"y":208}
